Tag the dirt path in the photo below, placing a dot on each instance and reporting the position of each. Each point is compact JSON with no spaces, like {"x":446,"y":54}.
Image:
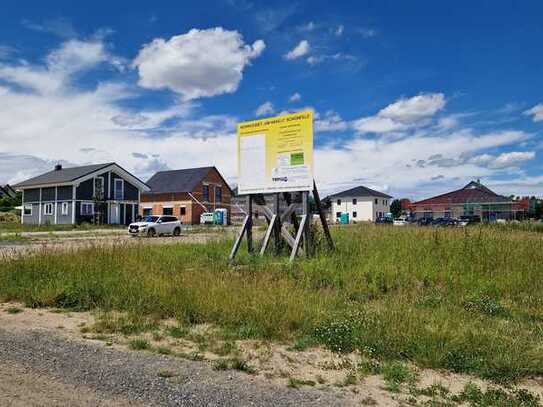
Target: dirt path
{"x":39,"y":367}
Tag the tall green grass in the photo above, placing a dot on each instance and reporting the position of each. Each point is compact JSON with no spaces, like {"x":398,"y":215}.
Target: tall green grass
{"x":467,"y":300}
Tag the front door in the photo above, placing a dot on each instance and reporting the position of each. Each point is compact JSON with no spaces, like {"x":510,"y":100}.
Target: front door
{"x":115,"y":217}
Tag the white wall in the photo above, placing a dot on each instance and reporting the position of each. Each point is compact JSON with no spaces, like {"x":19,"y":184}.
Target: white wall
{"x":366,"y":209}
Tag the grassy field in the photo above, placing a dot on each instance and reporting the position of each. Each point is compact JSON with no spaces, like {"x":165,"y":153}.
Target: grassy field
{"x":467,"y":300}
{"x":11,"y":227}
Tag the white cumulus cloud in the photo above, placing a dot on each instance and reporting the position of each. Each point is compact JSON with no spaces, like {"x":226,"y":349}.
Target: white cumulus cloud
{"x":200,"y":63}
{"x":295,"y":97}
{"x":264,"y":109}
{"x":298,"y":51}
{"x":536,"y":112}
{"x":402,"y":114}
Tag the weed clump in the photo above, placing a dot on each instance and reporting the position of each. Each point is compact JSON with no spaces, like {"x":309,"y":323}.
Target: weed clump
{"x":139,"y":344}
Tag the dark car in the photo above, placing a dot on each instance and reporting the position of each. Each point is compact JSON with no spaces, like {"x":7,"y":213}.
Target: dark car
{"x":439,"y":222}
{"x":425,"y":221}
{"x":384,"y":220}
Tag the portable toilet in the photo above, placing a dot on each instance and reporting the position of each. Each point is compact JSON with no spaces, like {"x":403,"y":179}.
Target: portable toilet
{"x":344,"y":218}
{"x":221,"y":216}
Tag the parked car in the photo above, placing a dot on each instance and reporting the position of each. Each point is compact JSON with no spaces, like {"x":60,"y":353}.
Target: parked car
{"x":468,"y":220}
{"x":425,"y":221}
{"x":384,"y":220}
{"x":439,"y":222}
{"x":155,"y":226}
{"x":401,"y":221}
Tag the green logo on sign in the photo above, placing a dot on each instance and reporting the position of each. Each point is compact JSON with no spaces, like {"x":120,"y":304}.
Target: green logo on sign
{"x":297,"y":158}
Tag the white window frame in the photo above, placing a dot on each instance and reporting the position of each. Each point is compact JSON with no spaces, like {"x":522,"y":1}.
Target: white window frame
{"x":115,"y":189}
{"x":64,"y":208}
{"x":85,"y":213}
{"x":94,"y":186}
{"x":25,"y":207}
{"x":47,"y":206}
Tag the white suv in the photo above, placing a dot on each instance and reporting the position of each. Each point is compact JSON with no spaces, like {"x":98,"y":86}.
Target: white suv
{"x":155,"y":226}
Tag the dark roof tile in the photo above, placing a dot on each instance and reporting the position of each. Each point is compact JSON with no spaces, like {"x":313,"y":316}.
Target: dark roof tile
{"x":63,"y":175}
{"x":184,"y":180}
{"x":360,"y":191}
{"x":474,"y":192}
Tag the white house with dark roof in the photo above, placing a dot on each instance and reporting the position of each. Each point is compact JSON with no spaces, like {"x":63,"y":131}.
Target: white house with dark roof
{"x":81,"y":194}
{"x":360,"y":203}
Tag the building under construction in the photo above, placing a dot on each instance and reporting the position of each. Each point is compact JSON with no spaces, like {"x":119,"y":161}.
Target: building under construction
{"x":473,"y":199}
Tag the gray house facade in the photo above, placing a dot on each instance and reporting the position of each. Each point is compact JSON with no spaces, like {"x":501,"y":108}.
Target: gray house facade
{"x":104,"y":193}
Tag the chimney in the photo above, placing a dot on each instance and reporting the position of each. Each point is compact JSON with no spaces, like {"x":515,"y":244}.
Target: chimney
{"x":58,"y":167}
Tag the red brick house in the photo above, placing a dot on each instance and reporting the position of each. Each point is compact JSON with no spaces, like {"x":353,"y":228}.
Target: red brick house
{"x":186,"y":194}
{"x":473,"y":199}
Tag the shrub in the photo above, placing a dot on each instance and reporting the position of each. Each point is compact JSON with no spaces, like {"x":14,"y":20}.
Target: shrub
{"x":139,"y":344}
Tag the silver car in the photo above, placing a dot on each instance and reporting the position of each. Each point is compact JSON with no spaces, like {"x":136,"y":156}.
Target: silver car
{"x":155,"y":226}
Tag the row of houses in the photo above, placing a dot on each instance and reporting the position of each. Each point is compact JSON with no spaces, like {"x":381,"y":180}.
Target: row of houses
{"x":109,"y":194}
{"x":474,"y":199}
{"x":112,"y":195}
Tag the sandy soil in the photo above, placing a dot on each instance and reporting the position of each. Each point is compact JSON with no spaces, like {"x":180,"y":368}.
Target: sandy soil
{"x":275,"y":364}
{"x":21,"y":387}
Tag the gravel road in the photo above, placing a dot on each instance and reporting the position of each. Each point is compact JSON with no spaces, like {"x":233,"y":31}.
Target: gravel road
{"x":38,"y":368}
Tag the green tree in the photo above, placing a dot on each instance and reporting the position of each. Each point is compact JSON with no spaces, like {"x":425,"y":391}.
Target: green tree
{"x":396,"y":208}
{"x":8,"y":203}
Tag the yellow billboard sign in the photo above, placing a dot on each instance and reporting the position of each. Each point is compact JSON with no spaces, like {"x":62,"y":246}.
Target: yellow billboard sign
{"x":276,"y":154}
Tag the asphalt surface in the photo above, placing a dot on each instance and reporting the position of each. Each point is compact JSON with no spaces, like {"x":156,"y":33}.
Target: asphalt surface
{"x":109,"y":376}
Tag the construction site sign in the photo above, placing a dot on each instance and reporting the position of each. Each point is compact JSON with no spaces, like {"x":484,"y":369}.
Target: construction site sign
{"x":276,"y":154}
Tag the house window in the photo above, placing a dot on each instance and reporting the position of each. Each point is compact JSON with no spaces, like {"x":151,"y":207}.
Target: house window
{"x":339,"y":202}
{"x":167,"y":211}
{"x":205,"y":193}
{"x":147,"y":211}
{"x":218,"y":194}
{"x":376,"y":201}
{"x":354,"y":201}
{"x":28,"y":210}
{"x":354,"y":214}
{"x":118,"y":190}
{"x":99,"y":188}
{"x":182,"y":211}
{"x":87,"y":208}
{"x":48,"y":209}
{"x":64,"y":208}
{"x":338,"y":215}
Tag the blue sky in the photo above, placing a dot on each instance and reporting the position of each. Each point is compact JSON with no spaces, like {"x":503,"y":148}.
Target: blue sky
{"x":412,"y":98}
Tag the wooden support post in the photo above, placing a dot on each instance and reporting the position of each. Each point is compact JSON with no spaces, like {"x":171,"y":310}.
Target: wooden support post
{"x":298,"y":239}
{"x":271,"y":228}
{"x":240,"y":237}
{"x":293,"y":218}
{"x":277,"y":226}
{"x":250,"y":224}
{"x":324,"y":223}
{"x":306,"y":233}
